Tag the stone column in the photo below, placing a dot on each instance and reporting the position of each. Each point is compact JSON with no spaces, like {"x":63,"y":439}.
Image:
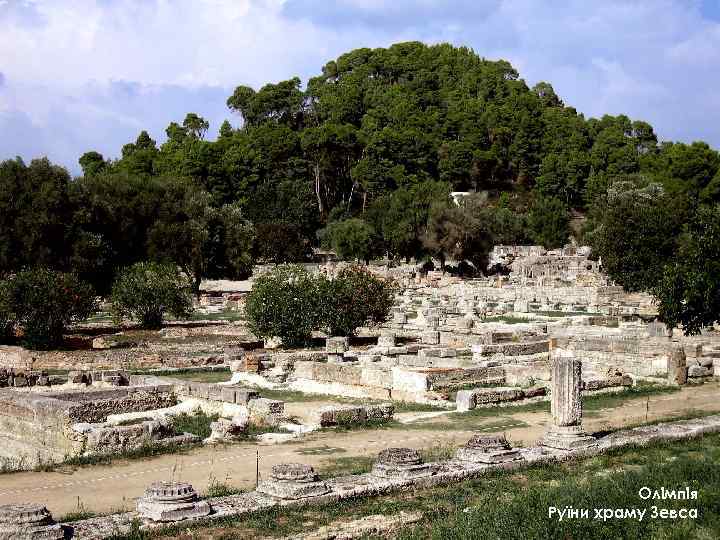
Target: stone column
{"x":566,"y":431}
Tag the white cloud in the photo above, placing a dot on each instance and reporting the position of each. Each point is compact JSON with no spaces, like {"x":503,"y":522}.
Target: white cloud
{"x":69,"y":59}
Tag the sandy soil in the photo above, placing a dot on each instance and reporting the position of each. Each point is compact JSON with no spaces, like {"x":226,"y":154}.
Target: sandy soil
{"x":113,"y":487}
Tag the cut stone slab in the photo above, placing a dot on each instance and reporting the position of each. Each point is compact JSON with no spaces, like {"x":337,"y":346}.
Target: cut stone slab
{"x":28,"y":522}
{"x":171,"y":501}
{"x":402,"y":463}
{"x":483,"y":448}
{"x":293,"y":481}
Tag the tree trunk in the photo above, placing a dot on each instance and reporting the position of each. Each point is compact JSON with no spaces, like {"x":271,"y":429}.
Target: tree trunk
{"x":316,"y":172}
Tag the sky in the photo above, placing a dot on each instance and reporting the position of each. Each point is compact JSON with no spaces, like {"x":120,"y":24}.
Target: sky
{"x":80,"y":75}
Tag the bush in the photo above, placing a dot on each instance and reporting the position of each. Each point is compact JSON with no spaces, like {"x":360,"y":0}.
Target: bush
{"x":355,"y":297}
{"x":284,"y":303}
{"x":290,"y":303}
{"x":146,"y":291}
{"x":44,"y":302}
{"x":350,"y":239}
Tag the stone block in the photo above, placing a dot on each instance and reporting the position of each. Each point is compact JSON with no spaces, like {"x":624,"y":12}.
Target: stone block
{"x":430,"y":337}
{"x":336,"y":345}
{"x":386,"y":340}
{"x":699,"y":371}
{"x":28,"y":522}
{"x":263,"y":407}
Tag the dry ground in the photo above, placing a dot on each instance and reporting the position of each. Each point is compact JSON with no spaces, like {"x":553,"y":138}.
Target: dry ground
{"x":105,"y":488}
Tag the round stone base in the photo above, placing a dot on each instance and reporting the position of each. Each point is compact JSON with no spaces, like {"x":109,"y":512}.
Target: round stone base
{"x":567,"y":438}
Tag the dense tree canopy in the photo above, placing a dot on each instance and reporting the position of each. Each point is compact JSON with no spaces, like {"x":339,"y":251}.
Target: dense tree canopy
{"x":375,"y":143}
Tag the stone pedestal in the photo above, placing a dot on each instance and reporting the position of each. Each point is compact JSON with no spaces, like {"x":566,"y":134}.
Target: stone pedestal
{"x":293,"y":481}
{"x":403,"y":463}
{"x":566,"y":431}
{"x":488,"y":449}
{"x":430,"y":337}
{"x":28,"y":522}
{"x":386,"y":340}
{"x":335,"y":347}
{"x":171,"y":501}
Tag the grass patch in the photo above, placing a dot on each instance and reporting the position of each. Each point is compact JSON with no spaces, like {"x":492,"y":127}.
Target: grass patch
{"x":507,"y":319}
{"x":514,"y":504}
{"x":214,"y":375}
{"x":226,"y":315}
{"x":197,"y":423}
{"x":609,"y":401}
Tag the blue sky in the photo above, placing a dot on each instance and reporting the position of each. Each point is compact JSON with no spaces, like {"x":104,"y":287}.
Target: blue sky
{"x":78,"y":75}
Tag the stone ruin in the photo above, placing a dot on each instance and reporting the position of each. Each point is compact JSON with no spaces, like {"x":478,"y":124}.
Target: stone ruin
{"x":404,"y":463}
{"x":493,"y":448}
{"x":395,"y":469}
{"x":93,"y":416}
{"x":28,"y":522}
{"x":293,"y":481}
{"x":171,"y":501}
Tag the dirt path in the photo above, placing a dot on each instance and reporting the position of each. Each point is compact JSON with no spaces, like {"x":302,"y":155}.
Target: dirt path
{"x":113,"y":487}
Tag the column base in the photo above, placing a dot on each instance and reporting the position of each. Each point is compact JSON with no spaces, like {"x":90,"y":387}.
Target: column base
{"x":567,"y":438}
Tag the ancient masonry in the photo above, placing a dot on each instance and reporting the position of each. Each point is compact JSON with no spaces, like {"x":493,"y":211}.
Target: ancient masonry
{"x":396,"y":469}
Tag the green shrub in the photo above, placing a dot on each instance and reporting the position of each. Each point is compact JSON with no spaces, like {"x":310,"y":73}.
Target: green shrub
{"x":44,"y":302}
{"x":353,"y":298}
{"x":147,"y":290}
{"x":350,"y":239}
{"x":284,"y":303}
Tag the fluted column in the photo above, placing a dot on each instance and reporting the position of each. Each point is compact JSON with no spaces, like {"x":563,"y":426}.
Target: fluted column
{"x":566,"y":432}
{"x":566,"y":404}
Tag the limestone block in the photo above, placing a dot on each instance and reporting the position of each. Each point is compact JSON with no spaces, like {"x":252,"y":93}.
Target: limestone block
{"x":386,"y":340}
{"x":171,"y":501}
{"x":706,"y":361}
{"x":497,"y":395}
{"x":699,"y":371}
{"x":305,"y":370}
{"x":465,"y":400}
{"x":15,"y":357}
{"x":333,"y":415}
{"x":272,"y":343}
{"x":376,"y":377}
{"x":228,"y":430}
{"x":430,"y":337}
{"x":336,"y":345}
{"x":28,"y":522}
{"x":266,"y":410}
{"x":409,"y":381}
